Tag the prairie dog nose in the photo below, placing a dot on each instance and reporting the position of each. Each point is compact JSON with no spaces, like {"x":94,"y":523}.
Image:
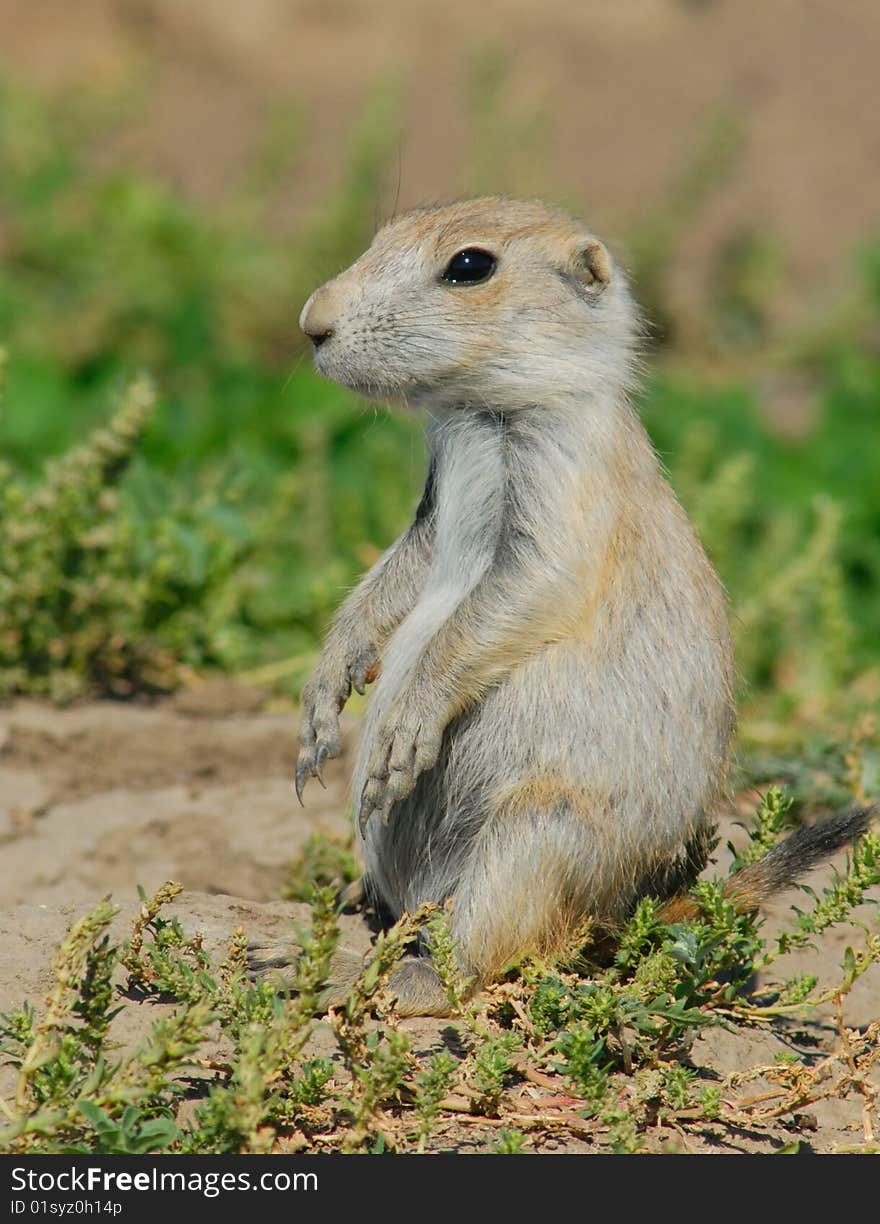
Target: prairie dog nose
{"x":317,"y":318}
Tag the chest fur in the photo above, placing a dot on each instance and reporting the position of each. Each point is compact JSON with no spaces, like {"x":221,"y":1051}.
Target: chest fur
{"x":469,"y":508}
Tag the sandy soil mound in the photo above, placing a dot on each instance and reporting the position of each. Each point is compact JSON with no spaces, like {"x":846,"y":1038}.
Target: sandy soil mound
{"x":105,"y":797}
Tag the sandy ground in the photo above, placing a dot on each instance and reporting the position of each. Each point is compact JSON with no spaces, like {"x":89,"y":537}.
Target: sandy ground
{"x":625,"y":91}
{"x":102,"y":797}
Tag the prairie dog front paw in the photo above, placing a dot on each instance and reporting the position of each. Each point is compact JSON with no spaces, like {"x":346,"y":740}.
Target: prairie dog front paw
{"x":408,"y":744}
{"x":322,"y":700}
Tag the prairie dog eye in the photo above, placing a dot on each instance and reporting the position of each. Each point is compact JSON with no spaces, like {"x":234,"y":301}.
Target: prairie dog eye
{"x":470,"y":266}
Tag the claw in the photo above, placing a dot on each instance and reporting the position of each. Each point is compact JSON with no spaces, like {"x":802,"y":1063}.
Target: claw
{"x":302,"y":776}
{"x":365,"y":810}
{"x":320,"y":758}
{"x":364,"y":819}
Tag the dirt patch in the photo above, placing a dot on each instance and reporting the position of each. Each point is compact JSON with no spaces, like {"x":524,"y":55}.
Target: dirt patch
{"x":90,"y":749}
{"x":107,"y":796}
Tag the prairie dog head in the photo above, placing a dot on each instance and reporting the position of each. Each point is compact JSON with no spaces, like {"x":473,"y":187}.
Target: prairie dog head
{"x":489,"y":302}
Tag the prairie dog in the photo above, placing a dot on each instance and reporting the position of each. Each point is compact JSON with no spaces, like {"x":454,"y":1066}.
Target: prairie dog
{"x":550,"y":724}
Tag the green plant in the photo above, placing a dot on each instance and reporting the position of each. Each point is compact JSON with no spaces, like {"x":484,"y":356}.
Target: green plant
{"x":70,"y":1094}
{"x":431,"y":1086}
{"x":90,"y":595}
{"x":509,"y":1143}
{"x":326,"y":860}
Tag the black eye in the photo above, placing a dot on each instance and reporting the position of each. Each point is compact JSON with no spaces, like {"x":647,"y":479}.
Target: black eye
{"x":469,"y":266}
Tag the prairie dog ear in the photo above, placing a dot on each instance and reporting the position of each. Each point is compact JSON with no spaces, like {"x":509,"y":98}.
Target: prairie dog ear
{"x":592,"y":266}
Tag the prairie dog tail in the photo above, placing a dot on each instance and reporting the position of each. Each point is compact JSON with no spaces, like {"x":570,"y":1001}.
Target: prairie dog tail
{"x":782,"y":866}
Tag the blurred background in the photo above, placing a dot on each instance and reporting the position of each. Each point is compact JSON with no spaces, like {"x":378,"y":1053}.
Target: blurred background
{"x":175,"y":178}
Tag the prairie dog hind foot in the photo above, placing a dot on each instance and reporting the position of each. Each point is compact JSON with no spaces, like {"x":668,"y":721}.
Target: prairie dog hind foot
{"x":413,"y":986}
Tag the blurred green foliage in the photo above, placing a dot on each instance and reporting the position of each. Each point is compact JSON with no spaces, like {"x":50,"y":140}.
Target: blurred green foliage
{"x":257,"y":492}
